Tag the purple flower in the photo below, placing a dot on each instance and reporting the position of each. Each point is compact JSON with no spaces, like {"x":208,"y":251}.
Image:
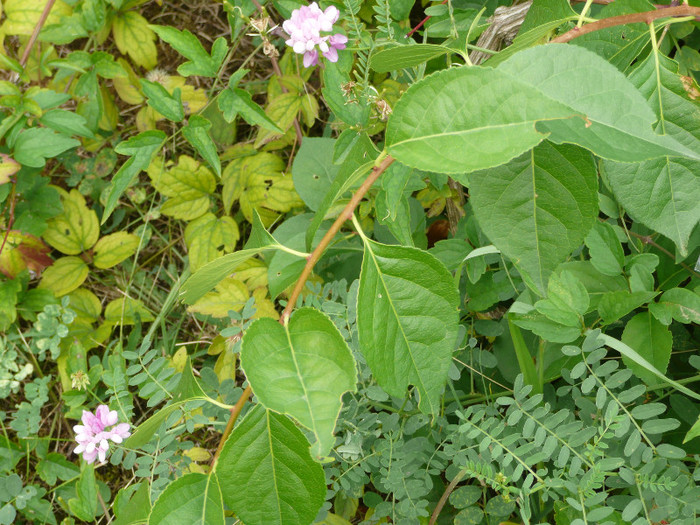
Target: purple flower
{"x":93,"y":436}
{"x":304,"y":30}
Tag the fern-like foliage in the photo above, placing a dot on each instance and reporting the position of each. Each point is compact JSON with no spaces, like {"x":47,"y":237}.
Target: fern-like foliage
{"x":599,"y":452}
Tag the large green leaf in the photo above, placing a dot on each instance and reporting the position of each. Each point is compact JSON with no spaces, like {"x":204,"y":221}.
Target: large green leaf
{"x":663,"y":193}
{"x":301,"y":369}
{"x":407,"y":320}
{"x":200,"y":62}
{"x":193,"y":499}
{"x":464,"y":119}
{"x":313,"y":170}
{"x":196,"y":131}
{"x":33,"y":146}
{"x":537,"y":208}
{"x":618,"y":123}
{"x":652,"y":340}
{"x":267,"y":474}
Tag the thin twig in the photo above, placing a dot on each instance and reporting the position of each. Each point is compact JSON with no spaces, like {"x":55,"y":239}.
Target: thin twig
{"x":647,"y":239}
{"x":37,"y":29}
{"x":445,"y":495}
{"x":635,"y":18}
{"x":345,"y":215}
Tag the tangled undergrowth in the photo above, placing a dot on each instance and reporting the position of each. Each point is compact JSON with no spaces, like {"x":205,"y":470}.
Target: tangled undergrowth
{"x":336,"y":270}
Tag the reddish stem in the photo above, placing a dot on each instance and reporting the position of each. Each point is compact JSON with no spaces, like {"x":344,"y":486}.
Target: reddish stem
{"x":635,"y":18}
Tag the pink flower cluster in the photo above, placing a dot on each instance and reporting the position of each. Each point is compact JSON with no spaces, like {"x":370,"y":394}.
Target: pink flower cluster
{"x":304,"y":30}
{"x":92,"y":436}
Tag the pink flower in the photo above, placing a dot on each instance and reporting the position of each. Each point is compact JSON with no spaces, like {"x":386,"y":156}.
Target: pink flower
{"x":304,"y":30}
{"x":93,"y":436}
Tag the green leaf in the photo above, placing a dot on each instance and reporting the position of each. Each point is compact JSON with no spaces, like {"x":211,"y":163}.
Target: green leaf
{"x":301,"y":369}
{"x":54,"y":467}
{"x":621,"y":44}
{"x":681,"y":304}
{"x":141,"y":148}
{"x":336,"y":76}
{"x":136,"y":510}
{"x":313,"y":170}
{"x":267,"y":474}
{"x":187,"y":390}
{"x":527,"y":317}
{"x":33,"y":146}
{"x":353,"y":169}
{"x":537,"y":208}
{"x":125,"y":310}
{"x":84,"y":506}
{"x":192,"y":499}
{"x":617,"y":304}
{"x":693,"y":432}
{"x":400,"y":57}
{"x":200,"y":62}
{"x":64,"y":275}
{"x":66,"y":122}
{"x":661,"y":193}
{"x":618,"y":122}
{"x":567,"y":300}
{"x":606,"y":251}
{"x":443,"y":122}
{"x":170,"y":106}
{"x":652,"y":340}
{"x":404,"y":340}
{"x":196,"y":131}
{"x":236,"y":101}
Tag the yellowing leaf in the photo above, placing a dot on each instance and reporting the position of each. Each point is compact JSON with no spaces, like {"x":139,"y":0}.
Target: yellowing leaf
{"x":198,"y":454}
{"x":225,"y":366}
{"x":133,"y":37}
{"x":76,"y":229}
{"x":109,"y":117}
{"x":85,"y":304}
{"x":282,"y":110}
{"x":187,"y":186}
{"x":127,"y":87}
{"x":112,"y":249}
{"x":208,"y":237}
{"x":217,"y":346}
{"x":258,"y":182}
{"x":8,"y":167}
{"x":264,"y":307}
{"x":124,"y":310}
{"x":65,"y":275}
{"x":21,"y":251}
{"x":253,"y":273}
{"x":22,"y":15}
{"x":229,"y":294}
{"x":180,"y":359}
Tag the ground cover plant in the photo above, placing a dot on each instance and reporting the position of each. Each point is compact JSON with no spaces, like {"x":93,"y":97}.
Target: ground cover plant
{"x":368,"y":261}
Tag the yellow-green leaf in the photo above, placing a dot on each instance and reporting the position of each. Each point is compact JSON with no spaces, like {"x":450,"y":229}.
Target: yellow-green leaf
{"x":23,"y":250}
{"x":86,"y":304}
{"x":127,"y":87}
{"x":282,"y":110}
{"x":22,"y":15}
{"x":187,"y":186}
{"x":123,"y":311}
{"x":65,"y":275}
{"x":133,"y":37}
{"x":76,"y":229}
{"x":112,"y":249}
{"x":208,"y":237}
{"x":229,"y":294}
{"x":258,"y":182}
{"x":8,"y":167}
